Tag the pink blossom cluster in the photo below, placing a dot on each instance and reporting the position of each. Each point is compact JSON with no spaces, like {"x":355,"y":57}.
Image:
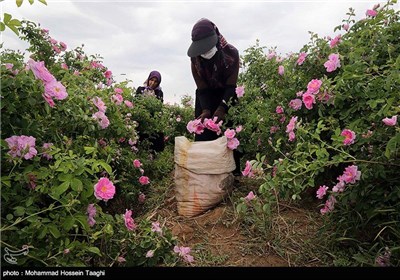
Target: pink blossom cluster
{"x":102,"y":119}
{"x":279,"y":109}
{"x":150,"y":254}
{"x":10,"y":66}
{"x":143,"y":180}
{"x":390,"y":121}
{"x":96,"y":65}
{"x":100,"y":116}
{"x":91,"y":211}
{"x":349,"y":135}
{"x":301,"y":58}
{"x":197,"y":127}
{"x":212,"y":125}
{"x":58,"y":47}
{"x":290,"y":129}
{"x":184,"y":253}
{"x":108,"y":76}
{"x":239,"y":91}
{"x":250,"y":197}
{"x":335,"y":41}
{"x":230,"y":134}
{"x":46,"y":148}
{"x":21,"y":146}
{"x":155,"y":227}
{"x":309,"y":96}
{"x":333,"y":62}
{"x":117,"y":98}
{"x":281,"y":70}
{"x":271,"y":55}
{"x":295,"y":104}
{"x":129,"y":221}
{"x":371,"y":13}
{"x":350,"y":176}
{"x":99,"y":103}
{"x":32,"y":181}
{"x":52,"y":87}
{"x":248,"y":170}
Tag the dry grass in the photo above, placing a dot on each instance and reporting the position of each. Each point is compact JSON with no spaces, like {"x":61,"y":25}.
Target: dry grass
{"x":219,"y":237}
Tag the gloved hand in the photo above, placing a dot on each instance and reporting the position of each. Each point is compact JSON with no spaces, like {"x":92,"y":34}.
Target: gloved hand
{"x":204,"y":114}
{"x":219,"y":113}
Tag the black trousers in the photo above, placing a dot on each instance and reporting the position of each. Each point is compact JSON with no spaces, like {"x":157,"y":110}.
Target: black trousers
{"x":215,"y":99}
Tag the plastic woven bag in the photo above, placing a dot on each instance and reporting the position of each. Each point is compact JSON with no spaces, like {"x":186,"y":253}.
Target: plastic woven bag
{"x":202,"y":174}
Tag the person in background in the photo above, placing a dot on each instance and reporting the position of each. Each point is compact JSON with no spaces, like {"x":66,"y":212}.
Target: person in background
{"x":151,"y":87}
{"x":215,"y":69}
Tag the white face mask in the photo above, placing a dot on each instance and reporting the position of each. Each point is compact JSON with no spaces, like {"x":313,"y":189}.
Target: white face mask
{"x":210,"y":53}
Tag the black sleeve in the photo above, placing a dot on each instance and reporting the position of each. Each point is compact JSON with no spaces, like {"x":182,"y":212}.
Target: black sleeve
{"x":160,"y":95}
{"x":139,"y":90}
{"x":203,"y":98}
{"x":229,"y":98}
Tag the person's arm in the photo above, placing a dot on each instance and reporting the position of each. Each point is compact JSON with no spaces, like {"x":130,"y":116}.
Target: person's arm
{"x":139,"y":90}
{"x":229,"y":96}
{"x":231,"y":83}
{"x":160,"y":95}
{"x":202,"y":89}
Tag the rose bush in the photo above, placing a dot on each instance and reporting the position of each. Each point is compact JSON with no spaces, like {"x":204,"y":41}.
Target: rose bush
{"x":329,"y":120}
{"x":69,"y":140}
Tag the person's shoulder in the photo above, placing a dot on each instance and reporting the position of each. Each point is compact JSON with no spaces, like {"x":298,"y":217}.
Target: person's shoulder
{"x":232,"y":49}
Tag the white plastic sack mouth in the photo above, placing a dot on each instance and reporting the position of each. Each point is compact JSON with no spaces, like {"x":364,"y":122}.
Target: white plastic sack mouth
{"x":203,"y":174}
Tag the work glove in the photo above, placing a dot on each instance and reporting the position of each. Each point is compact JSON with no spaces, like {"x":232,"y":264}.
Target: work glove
{"x":204,"y":114}
{"x":220,"y":114}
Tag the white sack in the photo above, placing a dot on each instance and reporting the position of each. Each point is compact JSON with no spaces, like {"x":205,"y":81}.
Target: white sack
{"x":202,"y":174}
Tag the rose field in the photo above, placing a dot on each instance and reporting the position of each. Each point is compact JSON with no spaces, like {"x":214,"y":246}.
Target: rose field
{"x":319,"y":132}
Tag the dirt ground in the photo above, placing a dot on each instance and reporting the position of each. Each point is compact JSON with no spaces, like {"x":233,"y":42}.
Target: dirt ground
{"x":219,"y":238}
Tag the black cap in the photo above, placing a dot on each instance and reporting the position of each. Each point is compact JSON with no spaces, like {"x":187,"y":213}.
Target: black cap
{"x":204,"y":37}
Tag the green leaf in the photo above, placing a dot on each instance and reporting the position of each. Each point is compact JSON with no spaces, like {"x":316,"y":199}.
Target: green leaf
{"x":68,"y":223}
{"x":65,"y":177}
{"x":106,"y":166}
{"x":82,"y":219}
{"x":59,"y":190}
{"x":54,"y":231}
{"x":31,"y":1}
{"x":14,"y":29}
{"x":42,"y":233}
{"x":29,"y":201}
{"x":76,"y":185}
{"x":19,"y":211}
{"x":19,"y":2}
{"x":6,"y":18}
{"x":2,"y":26}
{"x":89,"y":150}
{"x":392,"y":145}
{"x":43,"y":2}
{"x":94,"y":250}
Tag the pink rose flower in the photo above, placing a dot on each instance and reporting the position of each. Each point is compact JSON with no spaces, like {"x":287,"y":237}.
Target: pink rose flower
{"x":104,"y":189}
